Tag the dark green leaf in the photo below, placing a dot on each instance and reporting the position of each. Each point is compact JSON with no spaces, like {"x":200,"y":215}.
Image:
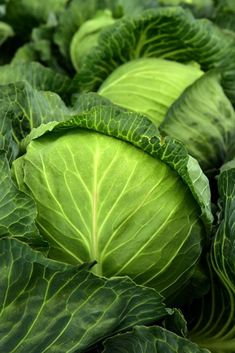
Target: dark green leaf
{"x":79,"y":11}
{"x":150,"y":339}
{"x":38,"y":76}
{"x":17,"y":210}
{"x":23,"y":108}
{"x":215,"y":313}
{"x":50,"y":307}
{"x":24,"y":15}
{"x":200,"y":8}
{"x":176,"y":323}
{"x":225,"y":14}
{"x":204,"y":120}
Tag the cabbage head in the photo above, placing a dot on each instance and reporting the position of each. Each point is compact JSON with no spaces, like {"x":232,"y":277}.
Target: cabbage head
{"x":175,"y":69}
{"x":110,"y":189}
{"x":149,"y":85}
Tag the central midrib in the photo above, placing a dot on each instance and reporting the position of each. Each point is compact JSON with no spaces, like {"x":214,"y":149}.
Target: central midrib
{"x":94,"y":241}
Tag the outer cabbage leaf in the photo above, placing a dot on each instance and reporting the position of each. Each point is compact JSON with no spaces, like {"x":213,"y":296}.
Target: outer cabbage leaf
{"x":41,"y":47}
{"x":78,"y":12}
{"x":5,"y":32}
{"x":7,"y":139}
{"x":200,"y":8}
{"x":24,"y":15}
{"x":211,"y":319}
{"x":223,"y":246}
{"x":47,"y":306}
{"x":175,"y":323}
{"x":38,"y":76}
{"x":150,"y":339}
{"x":17,"y":210}
{"x":204,"y":120}
{"x":99,"y":224}
{"x":86,"y":101}
{"x":24,"y":108}
{"x":225,"y":14}
{"x":214,"y":325}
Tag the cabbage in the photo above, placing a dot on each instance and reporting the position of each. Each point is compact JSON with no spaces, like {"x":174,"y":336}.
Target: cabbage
{"x":116,"y":217}
{"x":120,"y":203}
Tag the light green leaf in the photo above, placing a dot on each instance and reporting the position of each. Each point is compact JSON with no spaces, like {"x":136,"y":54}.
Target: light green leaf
{"x":25,"y":53}
{"x":149,"y":85}
{"x":150,"y":339}
{"x":73,"y":17}
{"x":50,"y":307}
{"x":5,"y":32}
{"x":87,"y":36}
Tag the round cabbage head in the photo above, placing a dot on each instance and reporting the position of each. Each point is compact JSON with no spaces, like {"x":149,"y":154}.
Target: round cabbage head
{"x":109,"y":188}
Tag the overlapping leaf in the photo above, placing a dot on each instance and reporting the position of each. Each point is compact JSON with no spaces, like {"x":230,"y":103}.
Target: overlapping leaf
{"x":23,"y":108}
{"x":200,"y":8}
{"x":223,"y":252}
{"x":211,"y":319}
{"x":50,"y":307}
{"x":17,"y":210}
{"x":26,"y":14}
{"x":79,"y":11}
{"x":215,"y":324}
{"x":225,"y":14}
{"x":150,"y":339}
{"x":5,"y":32}
{"x":38,"y":76}
{"x":41,"y":47}
{"x":204,"y":120}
